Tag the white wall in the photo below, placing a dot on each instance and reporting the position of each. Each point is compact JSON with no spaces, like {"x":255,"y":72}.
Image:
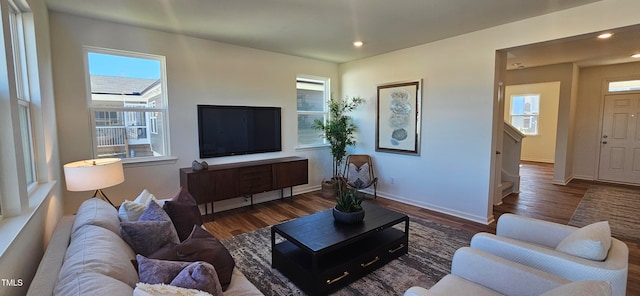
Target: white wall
{"x":540,"y":147}
{"x":198,"y":72}
{"x":453,"y":172}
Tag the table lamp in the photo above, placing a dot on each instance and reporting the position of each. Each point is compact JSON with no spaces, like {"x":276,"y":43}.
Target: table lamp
{"x":94,"y":174}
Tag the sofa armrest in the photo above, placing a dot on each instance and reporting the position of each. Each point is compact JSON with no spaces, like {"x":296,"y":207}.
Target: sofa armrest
{"x":613,"y":269}
{"x":532,"y":230}
{"x":501,"y":275}
{"x":46,"y":276}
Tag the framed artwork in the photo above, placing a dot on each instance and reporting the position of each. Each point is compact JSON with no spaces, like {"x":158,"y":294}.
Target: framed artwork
{"x":398,"y":121}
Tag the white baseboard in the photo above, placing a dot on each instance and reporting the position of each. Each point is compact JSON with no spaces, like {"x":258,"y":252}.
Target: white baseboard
{"x":450,"y":212}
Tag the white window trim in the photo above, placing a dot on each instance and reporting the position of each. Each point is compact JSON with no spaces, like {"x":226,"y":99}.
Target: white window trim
{"x":327,"y":96}
{"x":164,"y":111}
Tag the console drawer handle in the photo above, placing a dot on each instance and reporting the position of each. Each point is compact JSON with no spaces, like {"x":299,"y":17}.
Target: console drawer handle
{"x":371,"y":262}
{"x":396,"y":249}
{"x":329,"y":282}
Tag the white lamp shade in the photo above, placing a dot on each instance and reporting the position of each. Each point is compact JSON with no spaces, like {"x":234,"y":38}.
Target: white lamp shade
{"x":93,"y":174}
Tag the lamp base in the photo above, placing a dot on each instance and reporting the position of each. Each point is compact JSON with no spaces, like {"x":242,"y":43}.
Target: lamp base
{"x":99,"y":194}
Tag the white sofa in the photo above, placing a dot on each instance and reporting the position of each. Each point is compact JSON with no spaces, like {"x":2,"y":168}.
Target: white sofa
{"x":474,"y":272}
{"x":87,"y":256}
{"x":533,"y":242}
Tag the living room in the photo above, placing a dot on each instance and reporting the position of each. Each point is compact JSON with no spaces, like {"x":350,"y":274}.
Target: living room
{"x":457,"y":75}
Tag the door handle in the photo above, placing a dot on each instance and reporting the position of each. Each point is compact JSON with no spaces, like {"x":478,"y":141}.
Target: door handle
{"x":604,"y":142}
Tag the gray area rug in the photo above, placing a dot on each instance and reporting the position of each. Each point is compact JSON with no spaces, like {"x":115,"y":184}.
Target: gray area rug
{"x":619,"y":206}
{"x":431,"y":247}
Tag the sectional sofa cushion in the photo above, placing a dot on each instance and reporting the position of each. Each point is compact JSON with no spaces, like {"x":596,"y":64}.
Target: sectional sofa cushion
{"x":95,"y":211}
{"x":184,"y":213}
{"x":112,"y":258}
{"x":91,"y":283}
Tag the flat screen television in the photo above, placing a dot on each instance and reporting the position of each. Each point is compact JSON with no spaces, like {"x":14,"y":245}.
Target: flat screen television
{"x":237,"y":130}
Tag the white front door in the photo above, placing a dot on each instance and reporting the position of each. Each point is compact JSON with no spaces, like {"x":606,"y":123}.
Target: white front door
{"x":620,"y":142}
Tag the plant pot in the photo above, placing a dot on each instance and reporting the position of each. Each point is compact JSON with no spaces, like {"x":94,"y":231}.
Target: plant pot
{"x":348,"y":217}
{"x":329,"y":189}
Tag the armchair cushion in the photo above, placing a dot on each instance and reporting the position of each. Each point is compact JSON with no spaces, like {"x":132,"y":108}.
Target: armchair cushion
{"x":590,"y":242}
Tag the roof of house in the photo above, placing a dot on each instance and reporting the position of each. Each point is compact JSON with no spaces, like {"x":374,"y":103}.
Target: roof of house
{"x":120,"y":85}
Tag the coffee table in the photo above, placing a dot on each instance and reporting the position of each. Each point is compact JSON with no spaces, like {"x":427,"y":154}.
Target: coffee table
{"x":320,"y":255}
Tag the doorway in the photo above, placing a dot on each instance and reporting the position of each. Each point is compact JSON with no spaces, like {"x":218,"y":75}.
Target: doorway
{"x":620,"y":139}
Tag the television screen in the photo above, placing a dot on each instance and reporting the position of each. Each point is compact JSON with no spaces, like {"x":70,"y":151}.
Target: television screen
{"x":236,"y":130}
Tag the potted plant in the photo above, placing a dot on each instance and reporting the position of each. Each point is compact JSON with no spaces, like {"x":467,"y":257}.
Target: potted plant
{"x":348,"y":207}
{"x":338,"y":131}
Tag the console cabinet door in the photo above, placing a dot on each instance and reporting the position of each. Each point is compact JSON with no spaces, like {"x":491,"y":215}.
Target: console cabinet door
{"x":224,"y":183}
{"x":253,"y":179}
{"x":287,"y":174}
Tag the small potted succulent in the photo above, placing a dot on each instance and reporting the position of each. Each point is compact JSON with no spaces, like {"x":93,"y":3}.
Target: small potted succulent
{"x":348,"y":207}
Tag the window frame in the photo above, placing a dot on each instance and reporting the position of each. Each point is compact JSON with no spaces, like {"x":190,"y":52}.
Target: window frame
{"x":159,"y":111}
{"x":525,"y":115}
{"x":326,"y":82}
{"x":23,"y":90}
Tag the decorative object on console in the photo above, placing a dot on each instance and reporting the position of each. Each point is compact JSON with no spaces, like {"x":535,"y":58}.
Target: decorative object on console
{"x":94,"y":174}
{"x":199,"y":166}
{"x":398,"y":120}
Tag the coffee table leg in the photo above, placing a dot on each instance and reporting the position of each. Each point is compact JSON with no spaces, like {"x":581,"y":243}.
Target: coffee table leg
{"x":273,"y":244}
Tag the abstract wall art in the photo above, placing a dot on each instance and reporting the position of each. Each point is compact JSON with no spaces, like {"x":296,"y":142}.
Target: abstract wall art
{"x":398,"y":122}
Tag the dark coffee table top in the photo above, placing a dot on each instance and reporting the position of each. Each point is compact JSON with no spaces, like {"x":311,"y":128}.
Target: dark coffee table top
{"x":319,"y":231}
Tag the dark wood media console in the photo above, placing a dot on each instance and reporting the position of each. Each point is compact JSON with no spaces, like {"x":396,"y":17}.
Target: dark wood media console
{"x":243,"y":179}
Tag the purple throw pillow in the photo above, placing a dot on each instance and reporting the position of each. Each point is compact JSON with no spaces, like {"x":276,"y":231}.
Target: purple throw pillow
{"x":145,"y":237}
{"x":153,"y":271}
{"x":200,"y":276}
{"x":184,"y":213}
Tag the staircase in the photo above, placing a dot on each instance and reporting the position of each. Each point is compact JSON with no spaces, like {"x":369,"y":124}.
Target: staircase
{"x":511,"y":149}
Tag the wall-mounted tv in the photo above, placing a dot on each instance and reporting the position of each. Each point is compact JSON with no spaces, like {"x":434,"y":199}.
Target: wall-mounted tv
{"x":236,"y":130}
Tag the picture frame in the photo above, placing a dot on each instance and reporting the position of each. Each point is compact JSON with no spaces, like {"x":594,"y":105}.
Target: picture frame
{"x":398,"y":117}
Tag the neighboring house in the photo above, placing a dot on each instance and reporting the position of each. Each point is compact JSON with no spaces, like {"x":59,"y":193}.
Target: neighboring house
{"x":126,"y":134}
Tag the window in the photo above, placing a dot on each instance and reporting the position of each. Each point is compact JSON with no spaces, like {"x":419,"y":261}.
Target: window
{"x":312,"y":97}
{"x":627,"y":85}
{"x":128,"y":104}
{"x":19,"y":51}
{"x":525,"y":110}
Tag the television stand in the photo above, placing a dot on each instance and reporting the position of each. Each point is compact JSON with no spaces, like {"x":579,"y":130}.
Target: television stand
{"x":244,"y":179}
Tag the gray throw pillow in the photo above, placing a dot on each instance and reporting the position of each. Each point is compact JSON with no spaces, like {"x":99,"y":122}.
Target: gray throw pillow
{"x":152,"y":271}
{"x":145,"y":237}
{"x":200,"y":276}
{"x":154,"y":212}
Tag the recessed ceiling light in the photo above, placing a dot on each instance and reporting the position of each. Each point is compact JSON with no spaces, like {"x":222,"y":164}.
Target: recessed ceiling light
{"x":636,"y":56}
{"x":358,"y":43}
{"x":605,"y":35}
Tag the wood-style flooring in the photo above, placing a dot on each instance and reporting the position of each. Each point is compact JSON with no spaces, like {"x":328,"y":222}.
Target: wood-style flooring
{"x":538,"y":198}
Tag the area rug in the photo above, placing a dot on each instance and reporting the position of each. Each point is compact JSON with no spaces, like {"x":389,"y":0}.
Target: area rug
{"x":619,"y":206}
{"x":431,"y":247}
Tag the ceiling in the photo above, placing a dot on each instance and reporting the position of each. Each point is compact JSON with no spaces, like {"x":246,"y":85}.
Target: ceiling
{"x":584,"y":50}
{"x":319,"y":29}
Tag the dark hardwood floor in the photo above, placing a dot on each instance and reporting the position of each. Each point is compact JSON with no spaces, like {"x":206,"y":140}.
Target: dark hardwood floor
{"x":538,"y":198}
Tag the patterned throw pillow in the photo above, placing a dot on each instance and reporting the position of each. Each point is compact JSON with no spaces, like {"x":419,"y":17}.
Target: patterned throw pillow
{"x":359,"y":176}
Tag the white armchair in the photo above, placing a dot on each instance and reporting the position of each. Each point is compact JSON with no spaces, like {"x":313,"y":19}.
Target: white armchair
{"x":474,"y":272}
{"x":533,"y":243}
